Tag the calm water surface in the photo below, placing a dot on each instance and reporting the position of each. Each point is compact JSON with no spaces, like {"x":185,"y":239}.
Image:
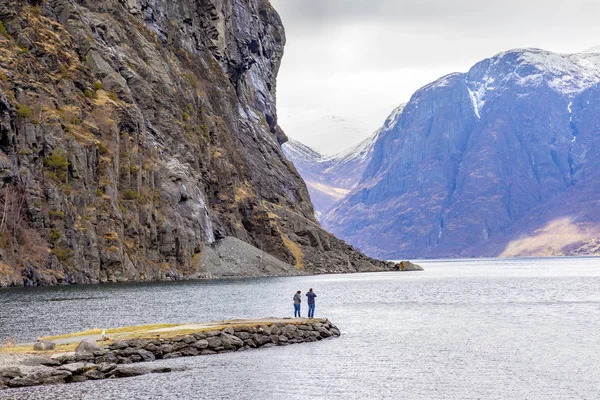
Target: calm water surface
{"x":491,"y":329}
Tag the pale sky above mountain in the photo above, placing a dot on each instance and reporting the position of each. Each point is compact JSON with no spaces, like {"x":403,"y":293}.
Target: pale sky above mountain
{"x":349,"y":63}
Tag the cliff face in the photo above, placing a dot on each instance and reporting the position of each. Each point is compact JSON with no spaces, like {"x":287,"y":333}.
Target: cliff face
{"x":136,"y":134}
{"x":500,"y":161}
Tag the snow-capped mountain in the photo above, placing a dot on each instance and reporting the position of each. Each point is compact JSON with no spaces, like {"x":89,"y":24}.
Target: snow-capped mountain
{"x":330,"y":178}
{"x":501,"y":160}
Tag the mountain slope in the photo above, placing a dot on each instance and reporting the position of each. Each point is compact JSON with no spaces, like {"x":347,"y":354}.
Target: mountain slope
{"x":480,"y":162}
{"x":330,"y":178}
{"x":135,"y":135}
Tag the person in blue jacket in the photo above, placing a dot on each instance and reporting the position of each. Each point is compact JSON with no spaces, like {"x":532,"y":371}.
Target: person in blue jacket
{"x":311,"y":303}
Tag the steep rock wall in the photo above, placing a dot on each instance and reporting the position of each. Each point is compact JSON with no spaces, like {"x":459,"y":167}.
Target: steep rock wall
{"x":134,"y":134}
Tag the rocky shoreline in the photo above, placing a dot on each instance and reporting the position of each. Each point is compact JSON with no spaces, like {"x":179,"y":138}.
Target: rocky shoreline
{"x":115,"y":360}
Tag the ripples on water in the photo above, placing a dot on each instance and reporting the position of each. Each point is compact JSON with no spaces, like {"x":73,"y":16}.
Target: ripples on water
{"x":491,"y":329}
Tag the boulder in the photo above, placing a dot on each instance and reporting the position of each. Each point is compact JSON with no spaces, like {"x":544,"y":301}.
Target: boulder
{"x":190,"y":351}
{"x":243,"y":335}
{"x":108,"y":358}
{"x":283,"y":339}
{"x":135,"y":358}
{"x":76,"y":368}
{"x":87,"y":346}
{"x":229,"y":330}
{"x":36,"y":361}
{"x":189,"y":339}
{"x":152,"y":348}
{"x":407,"y":266}
{"x":10,"y":372}
{"x":129,"y":371}
{"x":44,"y":346}
{"x":214,"y":342}
{"x":177,"y":346}
{"x":264,"y":329}
{"x":94,"y":374}
{"x":275,"y":330}
{"x":106,"y":367}
{"x":231,"y":340}
{"x":304,"y":327}
{"x":146,"y":355}
{"x":166,"y":348}
{"x":260,"y":339}
{"x":118,"y":346}
{"x":323,"y":331}
{"x":40,"y":377}
{"x":89,"y":357}
{"x":200,"y":344}
{"x":290,"y":331}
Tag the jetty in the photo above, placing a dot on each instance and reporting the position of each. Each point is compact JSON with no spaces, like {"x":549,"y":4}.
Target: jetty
{"x":129,"y":351}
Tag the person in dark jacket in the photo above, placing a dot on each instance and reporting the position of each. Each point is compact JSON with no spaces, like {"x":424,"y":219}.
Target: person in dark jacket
{"x":311,"y":303}
{"x":297,"y":301}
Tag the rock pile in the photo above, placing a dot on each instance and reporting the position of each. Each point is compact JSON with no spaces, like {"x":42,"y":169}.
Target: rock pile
{"x":89,"y":363}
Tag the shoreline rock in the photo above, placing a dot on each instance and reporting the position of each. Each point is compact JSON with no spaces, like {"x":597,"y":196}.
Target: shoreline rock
{"x":407,"y":266}
{"x":116,"y":359}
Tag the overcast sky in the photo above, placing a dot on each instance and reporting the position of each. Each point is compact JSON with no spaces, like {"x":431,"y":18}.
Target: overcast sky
{"x":349,"y":63}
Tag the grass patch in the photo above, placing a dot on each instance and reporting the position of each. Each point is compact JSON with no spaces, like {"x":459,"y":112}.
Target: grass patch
{"x":63,"y":254}
{"x":28,"y":349}
{"x":131,"y":195}
{"x":23,"y":111}
{"x":3,"y":31}
{"x":112,"y":331}
{"x":58,"y":164}
{"x":191,"y":79}
{"x":296,"y":251}
{"x":57,"y":214}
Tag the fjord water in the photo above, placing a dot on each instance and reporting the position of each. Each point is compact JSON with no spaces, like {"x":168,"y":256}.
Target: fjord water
{"x":476,"y":329}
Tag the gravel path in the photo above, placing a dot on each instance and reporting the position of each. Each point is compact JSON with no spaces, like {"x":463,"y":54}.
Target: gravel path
{"x":234,"y":323}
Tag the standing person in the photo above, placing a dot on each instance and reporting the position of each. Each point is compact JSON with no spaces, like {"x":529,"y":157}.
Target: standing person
{"x":311,"y":303}
{"x":297,"y":301}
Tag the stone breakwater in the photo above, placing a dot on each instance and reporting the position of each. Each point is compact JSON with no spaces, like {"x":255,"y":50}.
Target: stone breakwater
{"x":90,"y":362}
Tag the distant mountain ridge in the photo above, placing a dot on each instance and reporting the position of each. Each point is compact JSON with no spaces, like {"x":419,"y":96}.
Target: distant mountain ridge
{"x":331,"y":178}
{"x":500,"y":161}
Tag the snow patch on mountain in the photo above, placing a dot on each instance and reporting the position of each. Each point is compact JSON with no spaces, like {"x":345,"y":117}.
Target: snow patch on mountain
{"x":571,"y":73}
{"x":568,"y":74}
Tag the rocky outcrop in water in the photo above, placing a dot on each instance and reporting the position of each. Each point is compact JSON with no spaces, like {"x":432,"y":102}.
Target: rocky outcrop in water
{"x":407,"y":266}
{"x":137,"y":134}
{"x":115,"y":361}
